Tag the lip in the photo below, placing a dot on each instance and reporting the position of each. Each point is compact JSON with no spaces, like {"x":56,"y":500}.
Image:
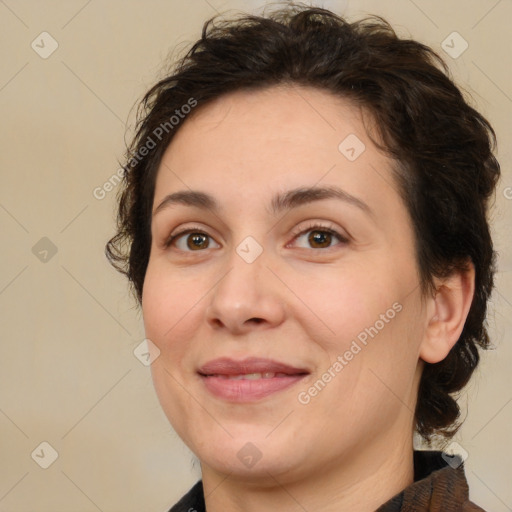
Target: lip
{"x":228,"y":366}
{"x":214,"y":375}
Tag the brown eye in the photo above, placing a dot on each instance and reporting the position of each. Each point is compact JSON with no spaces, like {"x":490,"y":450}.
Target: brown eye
{"x":197,"y":241}
{"x":320,"y":238}
{"x":191,"y":240}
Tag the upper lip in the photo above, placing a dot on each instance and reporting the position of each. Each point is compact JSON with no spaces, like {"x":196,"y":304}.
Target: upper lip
{"x":227,"y":366}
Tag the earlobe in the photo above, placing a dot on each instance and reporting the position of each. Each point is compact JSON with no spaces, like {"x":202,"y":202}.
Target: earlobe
{"x":447,"y":313}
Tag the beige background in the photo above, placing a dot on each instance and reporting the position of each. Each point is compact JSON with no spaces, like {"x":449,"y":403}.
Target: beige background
{"x":68,"y":375}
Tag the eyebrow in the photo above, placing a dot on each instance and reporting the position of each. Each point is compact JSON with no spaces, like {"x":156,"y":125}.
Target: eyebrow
{"x":280,"y":202}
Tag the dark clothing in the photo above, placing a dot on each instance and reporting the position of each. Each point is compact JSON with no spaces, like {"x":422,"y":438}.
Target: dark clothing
{"x":437,"y":487}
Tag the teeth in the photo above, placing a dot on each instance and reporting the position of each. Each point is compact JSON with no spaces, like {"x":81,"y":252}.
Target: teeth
{"x":252,"y":376}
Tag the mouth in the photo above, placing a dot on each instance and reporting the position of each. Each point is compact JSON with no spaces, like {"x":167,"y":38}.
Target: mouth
{"x":248,"y":380}
{"x":249,"y":376}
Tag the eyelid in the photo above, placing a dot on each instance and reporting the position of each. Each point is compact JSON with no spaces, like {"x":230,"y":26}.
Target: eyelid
{"x":320,"y":226}
{"x":191,"y":229}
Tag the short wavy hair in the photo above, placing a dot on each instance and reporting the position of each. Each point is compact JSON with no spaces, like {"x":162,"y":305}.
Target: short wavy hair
{"x":443,"y":151}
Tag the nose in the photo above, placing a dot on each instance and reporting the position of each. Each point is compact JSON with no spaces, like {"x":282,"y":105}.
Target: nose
{"x":247,"y":297}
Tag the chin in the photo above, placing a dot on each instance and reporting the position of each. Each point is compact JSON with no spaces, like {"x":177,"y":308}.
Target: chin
{"x":257,"y":458}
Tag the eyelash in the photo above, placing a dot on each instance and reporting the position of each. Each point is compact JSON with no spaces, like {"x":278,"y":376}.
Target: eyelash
{"x":324,"y":229}
{"x":296,"y":234}
{"x":187,"y":231}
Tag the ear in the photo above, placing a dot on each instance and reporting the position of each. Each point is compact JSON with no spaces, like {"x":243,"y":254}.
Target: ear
{"x":447,"y":311}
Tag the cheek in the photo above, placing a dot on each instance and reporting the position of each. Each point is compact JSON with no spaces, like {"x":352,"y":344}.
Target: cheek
{"x":342,"y":303}
{"x":168,"y":314}
{"x":168,"y":306}
{"x":369,"y":319}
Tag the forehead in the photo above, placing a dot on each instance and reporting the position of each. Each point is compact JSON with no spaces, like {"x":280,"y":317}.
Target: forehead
{"x":277,"y":137}
{"x":280,"y":115}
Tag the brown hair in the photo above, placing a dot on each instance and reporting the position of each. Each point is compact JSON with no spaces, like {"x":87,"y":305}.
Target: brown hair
{"x":445,"y":168}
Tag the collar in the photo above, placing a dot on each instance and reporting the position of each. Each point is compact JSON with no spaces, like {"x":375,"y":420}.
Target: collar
{"x":437,"y":487}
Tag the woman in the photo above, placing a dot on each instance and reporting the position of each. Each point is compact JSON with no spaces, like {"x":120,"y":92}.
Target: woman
{"x":303,"y":221}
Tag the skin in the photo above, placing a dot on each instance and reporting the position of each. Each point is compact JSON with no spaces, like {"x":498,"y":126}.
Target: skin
{"x":350,"y":447}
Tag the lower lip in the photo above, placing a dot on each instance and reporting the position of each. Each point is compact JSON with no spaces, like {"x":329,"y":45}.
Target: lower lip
{"x":246,"y":390}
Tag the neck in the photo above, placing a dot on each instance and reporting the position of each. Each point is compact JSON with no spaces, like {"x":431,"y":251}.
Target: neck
{"x":362,"y":483}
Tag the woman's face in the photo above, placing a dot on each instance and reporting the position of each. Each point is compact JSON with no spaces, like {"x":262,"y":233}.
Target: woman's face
{"x":323,"y":283}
